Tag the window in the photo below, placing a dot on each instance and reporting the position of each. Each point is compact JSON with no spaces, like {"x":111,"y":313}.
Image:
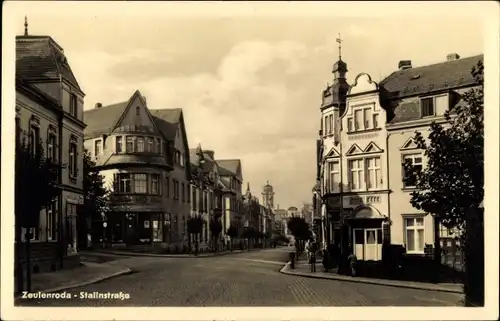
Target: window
{"x":350,"y":126}
{"x":326,"y":126}
{"x":137,"y":110}
{"x":158,"y":146}
{"x":358,"y":119}
{"x":193,"y":198}
{"x":356,"y":174}
{"x":374,"y":175}
{"x":334,"y":176}
{"x":155,"y":178}
{"x":367,"y":116}
{"x":167,"y":187}
{"x":73,"y":159}
{"x":188,"y":193}
{"x":414,"y":234}
{"x":183,"y":194}
{"x":51,"y":220}
{"x":427,"y":106}
{"x":130,"y":144}
{"x":119,"y":144}
{"x":330,"y":121}
{"x":97,"y":147}
{"x":417,"y":161}
{"x":176,"y":189}
{"x":181,"y":160}
{"x":51,"y":147}
{"x":34,"y":139}
{"x":150,"y":145}
{"x":140,"y":183}
{"x":124,"y":183}
{"x":375,"y":120}
{"x":140,"y":144}
{"x":73,"y":105}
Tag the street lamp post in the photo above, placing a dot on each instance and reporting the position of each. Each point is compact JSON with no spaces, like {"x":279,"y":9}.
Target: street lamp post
{"x":201,"y":162}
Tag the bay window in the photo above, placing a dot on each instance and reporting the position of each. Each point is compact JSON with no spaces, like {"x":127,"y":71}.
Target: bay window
{"x":140,"y":144}
{"x":150,"y":145}
{"x":414,"y":234}
{"x":155,"y":179}
{"x":140,"y":183}
{"x":119,"y":144}
{"x":130,"y":144}
{"x":124,"y":183}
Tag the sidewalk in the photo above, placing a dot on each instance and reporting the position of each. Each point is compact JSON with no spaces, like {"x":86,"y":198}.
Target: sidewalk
{"x":200,"y":255}
{"x":303,"y":269}
{"x":88,"y":273}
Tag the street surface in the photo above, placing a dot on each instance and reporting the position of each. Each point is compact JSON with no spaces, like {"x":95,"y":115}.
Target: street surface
{"x":242,"y":279}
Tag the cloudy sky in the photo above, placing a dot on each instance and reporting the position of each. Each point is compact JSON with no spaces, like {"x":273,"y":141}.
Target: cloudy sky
{"x":250,"y":85}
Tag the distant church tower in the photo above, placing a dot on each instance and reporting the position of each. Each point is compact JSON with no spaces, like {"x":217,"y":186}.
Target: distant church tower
{"x":268,"y":196}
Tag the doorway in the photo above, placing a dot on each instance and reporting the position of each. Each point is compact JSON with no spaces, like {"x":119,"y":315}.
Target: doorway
{"x":368,"y":244}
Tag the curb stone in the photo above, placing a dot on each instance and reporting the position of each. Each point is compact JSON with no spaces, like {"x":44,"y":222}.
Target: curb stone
{"x":177,"y":256}
{"x":287,"y":270}
{"x":91,"y":281}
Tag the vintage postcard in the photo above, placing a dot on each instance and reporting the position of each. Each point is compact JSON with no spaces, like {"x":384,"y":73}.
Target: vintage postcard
{"x":250,"y":160}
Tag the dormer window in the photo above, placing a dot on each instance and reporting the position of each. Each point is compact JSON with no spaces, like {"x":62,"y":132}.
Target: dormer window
{"x":97,"y":147}
{"x":427,"y":106}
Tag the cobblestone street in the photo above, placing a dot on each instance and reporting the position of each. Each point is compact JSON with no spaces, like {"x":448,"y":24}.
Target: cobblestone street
{"x":242,"y":279}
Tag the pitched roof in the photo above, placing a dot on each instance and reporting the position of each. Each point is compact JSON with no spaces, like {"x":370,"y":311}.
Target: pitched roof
{"x":230,"y":165}
{"x":167,"y":120}
{"x":102,"y":120}
{"x":41,"y":58}
{"x":424,"y":79}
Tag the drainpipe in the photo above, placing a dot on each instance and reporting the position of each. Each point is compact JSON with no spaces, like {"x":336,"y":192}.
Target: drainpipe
{"x":388,"y":187}
{"x":60,"y":200}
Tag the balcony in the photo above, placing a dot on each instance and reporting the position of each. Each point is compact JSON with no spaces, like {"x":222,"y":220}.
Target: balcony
{"x":123,"y":199}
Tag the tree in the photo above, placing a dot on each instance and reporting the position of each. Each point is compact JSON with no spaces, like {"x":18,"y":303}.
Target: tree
{"x":232,"y":232}
{"x":215,"y":229}
{"x":195,"y":226}
{"x":96,"y":202}
{"x":451,"y":187}
{"x":298,"y":227}
{"x":36,"y":186}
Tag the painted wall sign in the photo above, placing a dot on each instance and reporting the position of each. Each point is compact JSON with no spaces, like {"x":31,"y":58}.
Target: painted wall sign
{"x":362,"y":199}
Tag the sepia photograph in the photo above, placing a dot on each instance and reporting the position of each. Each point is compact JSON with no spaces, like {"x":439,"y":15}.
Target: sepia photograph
{"x":249,"y":155}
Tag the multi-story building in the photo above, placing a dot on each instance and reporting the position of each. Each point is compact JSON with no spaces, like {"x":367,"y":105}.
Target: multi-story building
{"x":231,"y":180}
{"x":254,"y":216}
{"x":49,"y":107}
{"x":279,"y":221}
{"x":366,"y":136}
{"x":205,"y":189}
{"x":143,"y":156}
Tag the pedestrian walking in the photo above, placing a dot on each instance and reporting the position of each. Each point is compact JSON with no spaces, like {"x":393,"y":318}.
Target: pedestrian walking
{"x":312,"y":260}
{"x":307,"y":249}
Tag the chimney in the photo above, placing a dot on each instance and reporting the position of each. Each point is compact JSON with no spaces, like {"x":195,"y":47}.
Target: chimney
{"x":404,"y":64}
{"x":98,"y":105}
{"x":209,"y":153}
{"x":452,"y":56}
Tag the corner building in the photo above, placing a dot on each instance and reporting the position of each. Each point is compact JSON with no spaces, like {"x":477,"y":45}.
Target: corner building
{"x":365,"y":137}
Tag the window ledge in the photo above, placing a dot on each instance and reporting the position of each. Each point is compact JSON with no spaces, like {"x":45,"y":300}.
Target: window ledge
{"x":415,"y":252}
{"x":409,"y":189}
{"x":363,"y":131}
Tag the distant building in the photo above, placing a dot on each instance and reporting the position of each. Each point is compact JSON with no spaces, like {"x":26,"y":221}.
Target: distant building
{"x":49,"y":107}
{"x":231,"y":180}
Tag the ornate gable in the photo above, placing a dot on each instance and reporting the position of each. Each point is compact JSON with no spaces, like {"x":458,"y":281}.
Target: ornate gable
{"x":354,"y":150}
{"x":409,"y":144}
{"x":332,"y":153}
{"x":373,"y":148}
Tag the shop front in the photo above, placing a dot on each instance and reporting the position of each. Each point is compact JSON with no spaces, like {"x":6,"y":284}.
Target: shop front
{"x":137,"y":227}
{"x":367,"y":233}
